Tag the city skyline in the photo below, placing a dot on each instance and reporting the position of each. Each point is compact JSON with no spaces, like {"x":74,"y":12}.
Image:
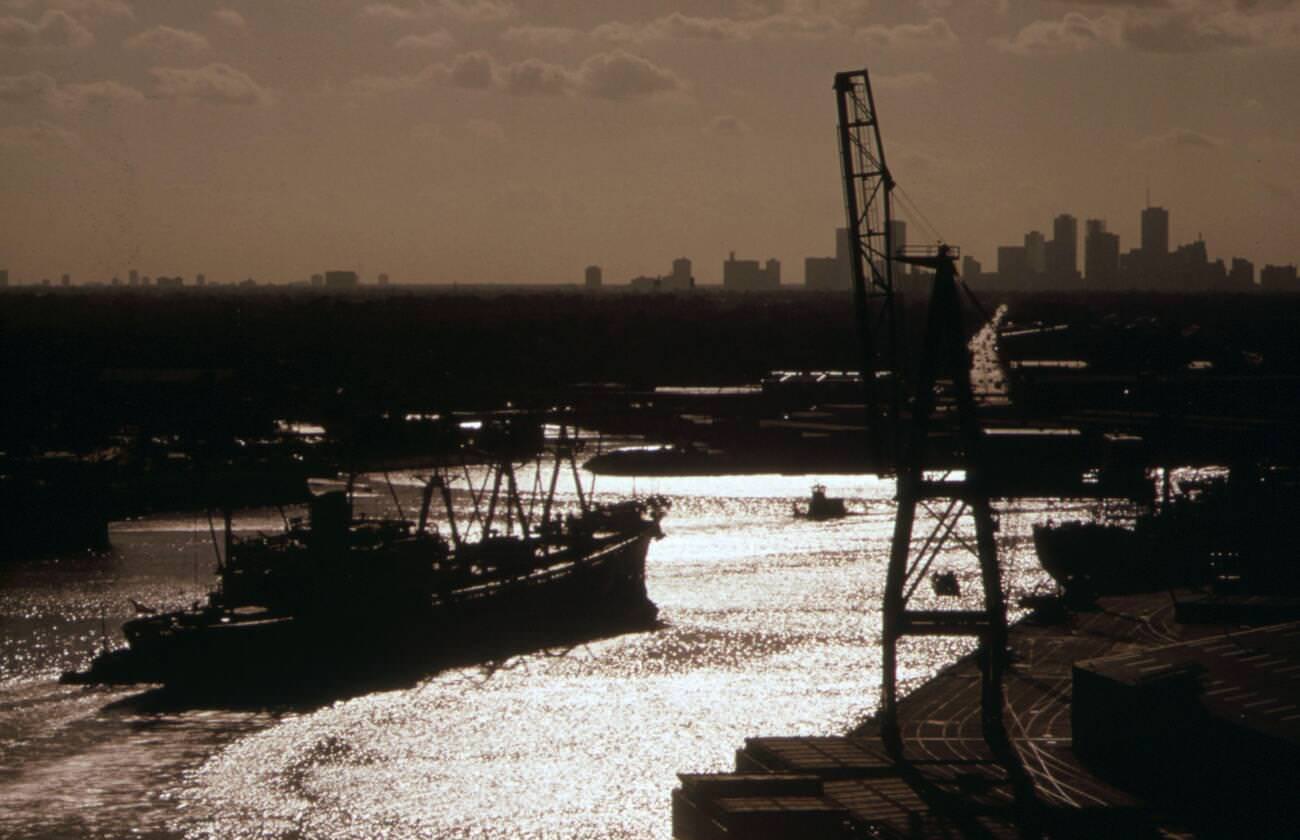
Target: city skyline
{"x":491,"y":141}
{"x":1066,"y":261}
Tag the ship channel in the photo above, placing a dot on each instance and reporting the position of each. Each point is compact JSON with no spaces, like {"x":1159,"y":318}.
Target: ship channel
{"x":770,"y":624}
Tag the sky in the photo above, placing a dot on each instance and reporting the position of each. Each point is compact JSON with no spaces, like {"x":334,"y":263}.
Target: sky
{"x":521,"y":140}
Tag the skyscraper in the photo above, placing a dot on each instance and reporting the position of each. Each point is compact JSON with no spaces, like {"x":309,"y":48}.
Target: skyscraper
{"x":1278,"y":278}
{"x":591,"y":278}
{"x":898,"y":241}
{"x":749,"y":276}
{"x":1063,"y":250}
{"x":1155,"y":232}
{"x":1242,"y":276}
{"x":772,"y":268}
{"x":1013,"y":267}
{"x":1036,"y":252}
{"x":897,"y":234}
{"x":1100,"y":256}
{"x":844,"y":257}
{"x":681,"y":276}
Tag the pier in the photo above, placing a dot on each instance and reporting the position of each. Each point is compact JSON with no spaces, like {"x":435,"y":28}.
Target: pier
{"x":1120,"y":722}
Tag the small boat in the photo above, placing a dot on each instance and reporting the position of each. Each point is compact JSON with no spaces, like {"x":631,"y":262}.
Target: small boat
{"x":945,"y":584}
{"x":822,"y":507}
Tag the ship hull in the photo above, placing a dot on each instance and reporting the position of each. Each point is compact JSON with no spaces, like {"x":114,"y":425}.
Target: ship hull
{"x":596,"y":593}
{"x":1089,"y":559}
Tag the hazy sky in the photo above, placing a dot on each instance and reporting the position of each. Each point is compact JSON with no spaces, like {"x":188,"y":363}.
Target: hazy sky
{"x":519,"y":140}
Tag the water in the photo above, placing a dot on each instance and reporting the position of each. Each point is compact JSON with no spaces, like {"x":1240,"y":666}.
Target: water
{"x":771,"y":627}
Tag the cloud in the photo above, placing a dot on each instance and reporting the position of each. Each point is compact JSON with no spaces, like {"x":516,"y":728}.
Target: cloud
{"x":38,"y":87}
{"x":934,"y":33}
{"x":1074,"y":32}
{"x":466,"y":11}
{"x":613,"y":75}
{"x":472,"y":70}
{"x":620,"y":76}
{"x":839,"y":12}
{"x":727,"y":125}
{"x":81,"y":9}
{"x":793,"y":26}
{"x":229,"y":17}
{"x":366,"y":87}
{"x":533,"y":77}
{"x":90,"y":94}
{"x":40,"y":135}
{"x":540,"y":35}
{"x":167,"y":40}
{"x":1189,"y":30}
{"x":904,"y":81}
{"x":1178,"y":138}
{"x":215,"y":83}
{"x":29,"y":87}
{"x":1191,"y":26}
{"x":54,"y":30}
{"x":435,"y":40}
{"x":677,"y":26}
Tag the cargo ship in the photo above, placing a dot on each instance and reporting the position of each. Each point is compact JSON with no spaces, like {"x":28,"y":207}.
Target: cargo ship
{"x":1226,"y":532}
{"x":342,"y":600}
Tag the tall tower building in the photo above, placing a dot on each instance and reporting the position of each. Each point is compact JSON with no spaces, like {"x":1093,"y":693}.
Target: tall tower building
{"x":1155,"y":232}
{"x":898,"y":241}
{"x":1013,"y":267}
{"x":1242,"y":276}
{"x":1100,"y":256}
{"x":1036,"y":252}
{"x":591,"y":278}
{"x":844,"y":257}
{"x":1063,"y":256}
{"x":771,"y":269}
{"x":681,"y":277}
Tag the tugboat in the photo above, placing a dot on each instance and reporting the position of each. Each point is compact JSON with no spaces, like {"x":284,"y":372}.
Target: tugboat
{"x":343,"y":600}
{"x":821,"y":507}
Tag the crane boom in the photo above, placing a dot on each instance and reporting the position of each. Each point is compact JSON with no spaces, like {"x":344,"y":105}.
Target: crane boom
{"x":867,"y":188}
{"x":941,"y":407}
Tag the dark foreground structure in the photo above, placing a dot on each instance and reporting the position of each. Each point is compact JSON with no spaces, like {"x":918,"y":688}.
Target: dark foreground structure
{"x":1121,"y":721}
{"x":1135,"y":716}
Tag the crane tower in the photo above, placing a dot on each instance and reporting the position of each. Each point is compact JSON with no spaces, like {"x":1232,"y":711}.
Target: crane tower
{"x":930,"y":436}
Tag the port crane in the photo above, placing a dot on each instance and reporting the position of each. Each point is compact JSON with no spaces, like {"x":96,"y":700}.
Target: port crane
{"x":945,"y":501}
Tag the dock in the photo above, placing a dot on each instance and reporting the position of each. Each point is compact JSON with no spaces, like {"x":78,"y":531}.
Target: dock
{"x":1119,"y":721}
